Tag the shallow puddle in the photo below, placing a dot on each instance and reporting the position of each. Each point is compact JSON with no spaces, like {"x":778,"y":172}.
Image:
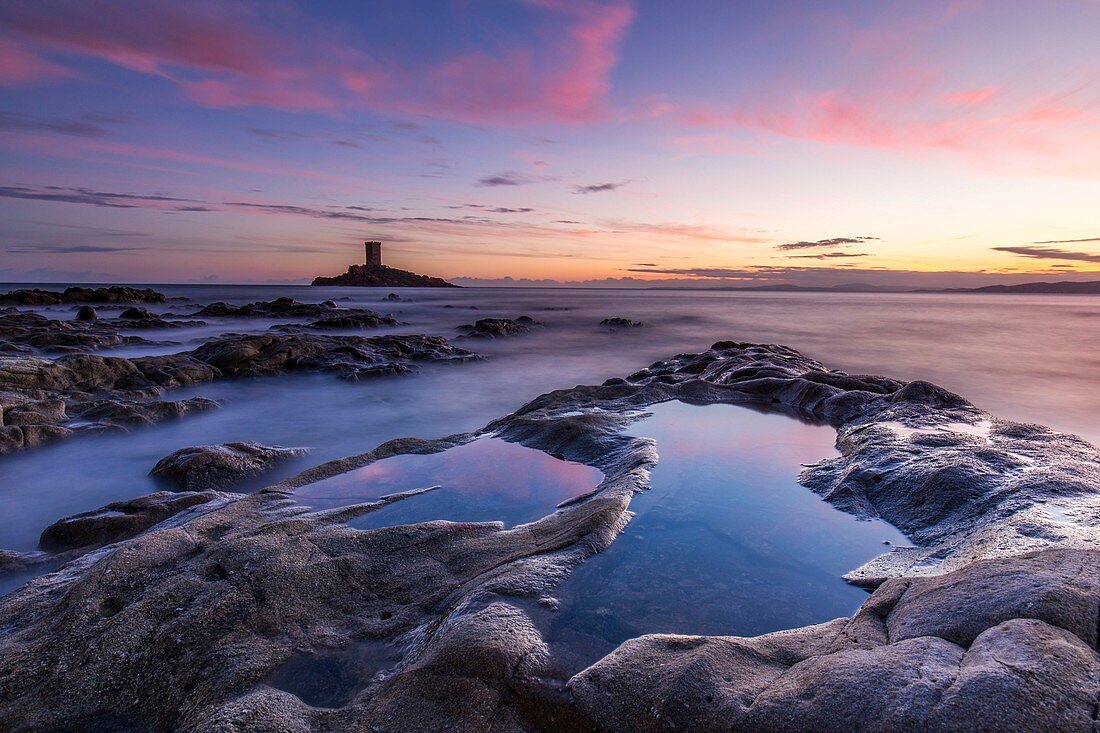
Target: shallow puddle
{"x":485,"y":480}
{"x":726,"y":542}
{"x":331,"y":678}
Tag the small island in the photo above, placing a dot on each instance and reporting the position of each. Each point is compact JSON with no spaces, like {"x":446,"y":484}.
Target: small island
{"x":372,"y":273}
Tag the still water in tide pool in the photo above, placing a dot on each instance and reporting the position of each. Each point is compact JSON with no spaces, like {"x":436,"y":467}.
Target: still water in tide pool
{"x":483,"y":481}
{"x":726,"y":542}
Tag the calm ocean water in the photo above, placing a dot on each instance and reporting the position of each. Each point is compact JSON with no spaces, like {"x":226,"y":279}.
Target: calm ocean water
{"x":1031,"y":358}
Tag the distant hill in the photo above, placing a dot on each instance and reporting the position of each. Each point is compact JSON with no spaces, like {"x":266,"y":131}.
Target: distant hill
{"x":362,"y":276}
{"x":1091,"y":287}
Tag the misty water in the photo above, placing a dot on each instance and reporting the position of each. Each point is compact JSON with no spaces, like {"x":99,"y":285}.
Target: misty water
{"x":1021,"y":357}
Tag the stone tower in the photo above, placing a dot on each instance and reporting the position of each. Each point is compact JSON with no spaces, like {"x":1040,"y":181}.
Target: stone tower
{"x":374,"y":253}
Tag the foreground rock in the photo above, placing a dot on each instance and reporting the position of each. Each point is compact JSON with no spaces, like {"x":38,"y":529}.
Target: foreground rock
{"x":113,"y":294}
{"x":974,"y":660}
{"x":202,"y":624}
{"x":220,"y":466}
{"x":489,"y":328}
{"x":382,"y":276}
{"x":119,"y":520}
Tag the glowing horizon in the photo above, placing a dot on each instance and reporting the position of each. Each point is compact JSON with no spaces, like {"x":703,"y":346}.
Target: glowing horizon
{"x":951,"y":144}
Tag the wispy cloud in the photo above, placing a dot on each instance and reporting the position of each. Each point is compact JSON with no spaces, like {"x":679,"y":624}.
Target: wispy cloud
{"x":1069,"y":241}
{"x":505,"y":178}
{"x":234,"y":55}
{"x":90,"y":126}
{"x":828,"y":256}
{"x":1050,"y":253}
{"x":599,"y":187}
{"x":834,"y":242}
{"x":98,"y":198}
{"x":61,"y":249}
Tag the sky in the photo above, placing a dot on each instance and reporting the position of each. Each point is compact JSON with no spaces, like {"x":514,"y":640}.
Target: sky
{"x":940,"y":143}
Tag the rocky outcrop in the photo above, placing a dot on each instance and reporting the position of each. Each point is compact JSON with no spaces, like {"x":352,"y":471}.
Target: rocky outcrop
{"x":32,"y":333}
{"x":278,"y":308}
{"x":362,"y":319}
{"x":119,"y":520}
{"x":220,"y":466}
{"x":87,"y":313}
{"x":43,"y":400}
{"x":616,"y":323}
{"x":350,"y":357}
{"x":113,"y":294}
{"x":489,"y":328}
{"x":199,"y":623}
{"x":382,"y":276}
{"x":968,"y":651}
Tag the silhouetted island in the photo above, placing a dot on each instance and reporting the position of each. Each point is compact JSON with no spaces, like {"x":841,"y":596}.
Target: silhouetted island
{"x":374,"y":274}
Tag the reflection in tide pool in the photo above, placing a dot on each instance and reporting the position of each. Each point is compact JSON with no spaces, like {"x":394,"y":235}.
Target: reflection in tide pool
{"x":727,"y":542}
{"x":486,"y":480}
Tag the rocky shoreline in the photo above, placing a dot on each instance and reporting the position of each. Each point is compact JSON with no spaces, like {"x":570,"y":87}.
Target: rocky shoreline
{"x":187,"y":626}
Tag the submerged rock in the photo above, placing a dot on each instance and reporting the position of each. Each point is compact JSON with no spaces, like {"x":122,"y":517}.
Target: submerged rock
{"x":119,"y":520}
{"x":220,"y":466}
{"x":87,"y":313}
{"x":618,"y":323}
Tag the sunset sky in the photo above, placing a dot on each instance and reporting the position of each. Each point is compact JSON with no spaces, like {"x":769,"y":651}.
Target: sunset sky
{"x":725,"y":142}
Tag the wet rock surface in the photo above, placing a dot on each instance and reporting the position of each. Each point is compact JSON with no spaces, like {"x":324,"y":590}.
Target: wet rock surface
{"x":44,"y":399}
{"x":617,"y":323}
{"x":32,"y":333}
{"x":489,"y":328}
{"x":220,"y":466}
{"x":113,"y":294}
{"x":187,"y":626}
{"x":118,"y":520}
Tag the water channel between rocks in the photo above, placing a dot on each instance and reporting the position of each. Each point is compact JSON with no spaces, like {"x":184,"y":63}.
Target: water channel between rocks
{"x":725,"y":543}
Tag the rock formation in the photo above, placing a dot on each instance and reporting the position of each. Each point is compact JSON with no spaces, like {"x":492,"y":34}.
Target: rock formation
{"x":199,"y":623}
{"x":113,"y":294}
{"x":383,"y":276}
{"x":488,"y":328}
{"x":220,"y":466}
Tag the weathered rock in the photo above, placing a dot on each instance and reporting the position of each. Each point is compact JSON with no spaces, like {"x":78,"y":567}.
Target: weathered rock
{"x":220,"y":466}
{"x":488,"y":328}
{"x":365,"y":319}
{"x":119,"y":520}
{"x":31,"y":332}
{"x":87,"y":313}
{"x":113,"y":294}
{"x":136,"y":313}
{"x":121,"y":413}
{"x":617,"y":323}
{"x":278,"y":308}
{"x":351,"y":357}
{"x":187,"y":626}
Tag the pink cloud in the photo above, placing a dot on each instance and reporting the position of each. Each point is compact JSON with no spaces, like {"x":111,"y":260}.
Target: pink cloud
{"x":229,"y":55}
{"x":971,"y":97}
{"x":20,"y":66}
